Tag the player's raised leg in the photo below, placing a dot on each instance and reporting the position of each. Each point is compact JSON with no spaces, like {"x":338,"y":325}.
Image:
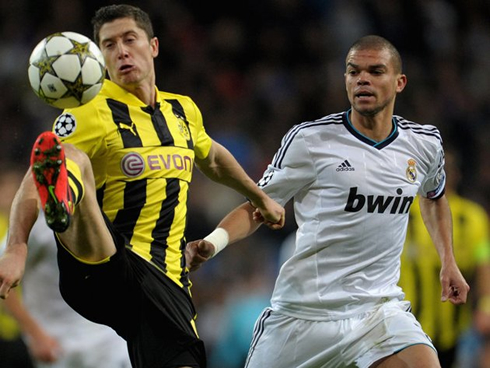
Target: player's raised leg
{"x":66,"y":186}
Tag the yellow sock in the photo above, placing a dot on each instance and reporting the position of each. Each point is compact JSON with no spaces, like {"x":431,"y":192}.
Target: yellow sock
{"x":75,"y":181}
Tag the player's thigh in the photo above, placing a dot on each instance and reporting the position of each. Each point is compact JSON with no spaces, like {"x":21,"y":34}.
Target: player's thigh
{"x":415,"y":356}
{"x":389,"y":330}
{"x":280,"y":341}
{"x":88,"y":237}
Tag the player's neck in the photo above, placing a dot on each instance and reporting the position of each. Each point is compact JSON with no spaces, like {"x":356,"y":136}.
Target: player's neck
{"x":146,"y":94}
{"x":376,"y":127}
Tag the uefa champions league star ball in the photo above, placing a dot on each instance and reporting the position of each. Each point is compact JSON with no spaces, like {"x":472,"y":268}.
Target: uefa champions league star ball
{"x":66,"y":69}
{"x":65,"y":125}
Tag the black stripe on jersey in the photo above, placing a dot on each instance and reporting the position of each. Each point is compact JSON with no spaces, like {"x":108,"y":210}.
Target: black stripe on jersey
{"x":184,"y":275}
{"x":428,"y":130}
{"x":126,"y":127}
{"x":160,"y":125}
{"x":134,"y":201}
{"x":164,"y":223}
{"x":178,"y":110}
{"x":288,"y":138}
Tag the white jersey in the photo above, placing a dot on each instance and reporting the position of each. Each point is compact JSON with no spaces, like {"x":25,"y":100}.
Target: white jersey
{"x":351,"y":201}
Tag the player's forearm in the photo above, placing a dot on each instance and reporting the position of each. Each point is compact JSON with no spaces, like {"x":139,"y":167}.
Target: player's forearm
{"x":239,"y":223}
{"x":438,"y":220}
{"x":23,"y":213}
{"x":221,"y":167}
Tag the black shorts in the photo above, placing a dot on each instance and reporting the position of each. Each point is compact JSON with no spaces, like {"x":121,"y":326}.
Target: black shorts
{"x":139,"y":302}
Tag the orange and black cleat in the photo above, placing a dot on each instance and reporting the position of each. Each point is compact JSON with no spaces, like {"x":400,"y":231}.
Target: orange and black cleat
{"x":51,"y":178}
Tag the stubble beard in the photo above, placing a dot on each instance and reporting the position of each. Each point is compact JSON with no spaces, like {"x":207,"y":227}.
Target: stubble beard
{"x":371,"y":112}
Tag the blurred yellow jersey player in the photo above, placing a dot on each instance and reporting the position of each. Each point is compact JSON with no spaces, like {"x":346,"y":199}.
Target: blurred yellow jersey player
{"x":445,"y":322}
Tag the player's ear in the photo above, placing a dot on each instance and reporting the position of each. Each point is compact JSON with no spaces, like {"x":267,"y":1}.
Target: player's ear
{"x":154,"y":46}
{"x":401,"y":83}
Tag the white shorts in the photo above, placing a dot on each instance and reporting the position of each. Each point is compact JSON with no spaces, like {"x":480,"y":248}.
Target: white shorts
{"x":280,"y":341}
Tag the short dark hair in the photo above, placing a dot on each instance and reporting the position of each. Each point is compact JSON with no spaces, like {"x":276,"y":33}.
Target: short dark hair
{"x":109,"y":13}
{"x":373,"y":42}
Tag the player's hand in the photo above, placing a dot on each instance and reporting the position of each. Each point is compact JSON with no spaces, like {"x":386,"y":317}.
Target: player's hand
{"x":12,"y":266}
{"x":271,"y":214}
{"x":454,"y":286}
{"x":197,"y":252}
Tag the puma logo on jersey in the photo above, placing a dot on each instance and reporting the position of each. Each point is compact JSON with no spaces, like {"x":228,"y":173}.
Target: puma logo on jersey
{"x":126,"y":126}
{"x":378,"y":204}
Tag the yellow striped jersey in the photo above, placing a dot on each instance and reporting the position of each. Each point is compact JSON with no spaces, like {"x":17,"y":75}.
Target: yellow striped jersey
{"x":142,"y":159}
{"x":421,"y":266}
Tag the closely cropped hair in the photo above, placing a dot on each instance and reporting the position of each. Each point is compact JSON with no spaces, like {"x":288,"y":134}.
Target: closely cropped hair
{"x":373,"y":42}
{"x":109,"y":13}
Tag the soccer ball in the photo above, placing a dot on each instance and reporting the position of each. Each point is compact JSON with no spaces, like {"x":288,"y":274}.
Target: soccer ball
{"x":66,"y":69}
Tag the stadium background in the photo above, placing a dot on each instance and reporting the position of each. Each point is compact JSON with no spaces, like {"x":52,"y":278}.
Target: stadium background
{"x":255,"y":68}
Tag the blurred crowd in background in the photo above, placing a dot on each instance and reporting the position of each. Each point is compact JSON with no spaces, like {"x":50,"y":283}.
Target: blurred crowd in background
{"x":256,"y":68}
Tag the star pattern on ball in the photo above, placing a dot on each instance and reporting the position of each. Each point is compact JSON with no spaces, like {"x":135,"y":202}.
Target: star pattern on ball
{"x":45,"y":64}
{"x":45,"y":98}
{"x":75,"y":88}
{"x":81,"y":49}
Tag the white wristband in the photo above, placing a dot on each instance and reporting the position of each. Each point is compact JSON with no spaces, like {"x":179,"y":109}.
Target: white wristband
{"x":219,"y":238}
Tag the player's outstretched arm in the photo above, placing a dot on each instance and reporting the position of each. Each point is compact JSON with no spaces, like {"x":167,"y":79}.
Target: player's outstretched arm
{"x":222,"y":167}
{"x":23,"y":215}
{"x":237,"y":225}
{"x":437,"y":218}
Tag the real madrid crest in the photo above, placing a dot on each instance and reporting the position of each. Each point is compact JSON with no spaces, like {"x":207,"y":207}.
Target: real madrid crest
{"x":411,"y":171}
{"x":183,"y":127}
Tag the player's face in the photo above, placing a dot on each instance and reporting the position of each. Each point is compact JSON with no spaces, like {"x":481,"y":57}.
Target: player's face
{"x":128,"y":53}
{"x":371,"y":81}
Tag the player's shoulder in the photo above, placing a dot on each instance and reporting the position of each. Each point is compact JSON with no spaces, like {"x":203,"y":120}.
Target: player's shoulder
{"x":184,"y":100}
{"x":311,"y":127}
{"x":181,"y":104}
{"x":421,"y":131}
{"x":173,"y":96}
{"x":87,"y":117}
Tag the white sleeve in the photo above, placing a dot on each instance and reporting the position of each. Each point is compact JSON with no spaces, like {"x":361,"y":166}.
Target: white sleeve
{"x":435,"y":181}
{"x":291,"y":169}
{"x":40,"y":239}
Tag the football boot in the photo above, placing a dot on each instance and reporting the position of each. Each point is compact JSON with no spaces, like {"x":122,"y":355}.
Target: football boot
{"x":51,"y":177}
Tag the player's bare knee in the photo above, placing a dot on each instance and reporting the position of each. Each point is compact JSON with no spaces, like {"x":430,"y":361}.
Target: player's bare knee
{"x":75,"y":154}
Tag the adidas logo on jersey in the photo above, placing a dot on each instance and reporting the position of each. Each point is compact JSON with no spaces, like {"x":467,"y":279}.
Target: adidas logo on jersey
{"x":345,"y":166}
